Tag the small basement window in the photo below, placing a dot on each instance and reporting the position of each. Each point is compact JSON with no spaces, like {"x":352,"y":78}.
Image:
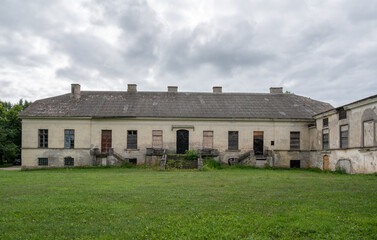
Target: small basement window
{"x":69,"y":161}
{"x":42,"y":161}
{"x":132,"y":160}
{"x":295,"y":164}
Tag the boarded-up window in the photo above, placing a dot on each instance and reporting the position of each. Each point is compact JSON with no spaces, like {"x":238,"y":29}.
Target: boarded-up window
{"x":295,"y":141}
{"x":208,"y":139}
{"x":325,"y":122}
{"x":344,"y":136}
{"x":131,"y":139}
{"x":325,"y":139}
{"x":368,"y":134}
{"x":233,"y":140}
{"x":157,"y":139}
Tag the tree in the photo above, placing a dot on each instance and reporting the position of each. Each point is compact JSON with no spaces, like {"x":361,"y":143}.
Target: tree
{"x":10,"y":130}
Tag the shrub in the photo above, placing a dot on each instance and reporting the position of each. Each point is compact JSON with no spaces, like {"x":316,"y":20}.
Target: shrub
{"x":211,"y":163}
{"x":340,"y":170}
{"x":191,"y":155}
{"x":127,"y":165}
{"x":315,"y":169}
{"x":267,"y":166}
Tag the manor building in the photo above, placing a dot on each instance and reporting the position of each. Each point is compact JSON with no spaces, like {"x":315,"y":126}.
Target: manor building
{"x":86,"y":128}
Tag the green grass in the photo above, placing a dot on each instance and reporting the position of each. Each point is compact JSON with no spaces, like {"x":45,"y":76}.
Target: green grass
{"x":119,"y":203}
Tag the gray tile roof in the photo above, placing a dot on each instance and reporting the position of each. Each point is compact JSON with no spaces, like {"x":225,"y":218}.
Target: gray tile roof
{"x":177,"y":105}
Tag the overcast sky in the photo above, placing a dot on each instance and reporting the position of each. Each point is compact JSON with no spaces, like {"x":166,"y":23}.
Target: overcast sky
{"x":325,"y":50}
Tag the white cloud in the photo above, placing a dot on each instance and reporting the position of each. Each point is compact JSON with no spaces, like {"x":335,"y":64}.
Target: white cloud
{"x":321,"y":49}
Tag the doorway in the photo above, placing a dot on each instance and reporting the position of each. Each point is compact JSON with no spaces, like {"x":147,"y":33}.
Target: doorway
{"x":106,"y":141}
{"x":258,"y":143}
{"x":182,"y":141}
{"x":326,"y":163}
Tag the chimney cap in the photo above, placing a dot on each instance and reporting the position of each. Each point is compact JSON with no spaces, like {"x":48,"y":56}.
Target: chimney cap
{"x":217,"y":89}
{"x":172,"y":88}
{"x":276,"y":89}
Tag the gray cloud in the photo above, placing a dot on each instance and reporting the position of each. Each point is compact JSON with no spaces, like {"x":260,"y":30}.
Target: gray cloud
{"x":320,"y":49}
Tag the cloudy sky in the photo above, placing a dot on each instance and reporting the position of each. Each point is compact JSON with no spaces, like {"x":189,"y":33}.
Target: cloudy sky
{"x":322,"y":49}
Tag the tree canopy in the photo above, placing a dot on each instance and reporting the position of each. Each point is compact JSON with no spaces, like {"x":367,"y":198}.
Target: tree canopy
{"x":10,"y":130}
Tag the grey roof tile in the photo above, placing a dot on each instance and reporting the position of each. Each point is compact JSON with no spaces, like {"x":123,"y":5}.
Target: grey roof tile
{"x":177,"y":105}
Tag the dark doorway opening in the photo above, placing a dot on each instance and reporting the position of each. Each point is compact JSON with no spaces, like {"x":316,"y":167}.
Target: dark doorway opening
{"x":295,"y":164}
{"x":182,"y":141}
{"x":258,"y":143}
{"x":106,"y":141}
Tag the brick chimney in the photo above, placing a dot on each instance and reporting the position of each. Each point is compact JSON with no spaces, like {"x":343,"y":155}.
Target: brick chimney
{"x":217,"y":89}
{"x":132,"y":88}
{"x":75,"y":91}
{"x":276,"y":90}
{"x":172,"y":89}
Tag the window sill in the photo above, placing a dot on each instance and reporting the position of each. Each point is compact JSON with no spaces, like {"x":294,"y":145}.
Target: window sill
{"x":228,"y":150}
{"x":131,"y":150}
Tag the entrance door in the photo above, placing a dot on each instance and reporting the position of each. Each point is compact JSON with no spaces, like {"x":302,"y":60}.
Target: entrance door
{"x":325,"y":163}
{"x":258,"y":143}
{"x":182,"y":141}
{"x":106,"y":141}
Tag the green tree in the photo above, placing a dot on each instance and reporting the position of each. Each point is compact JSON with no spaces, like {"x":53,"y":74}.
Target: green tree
{"x":10,"y":130}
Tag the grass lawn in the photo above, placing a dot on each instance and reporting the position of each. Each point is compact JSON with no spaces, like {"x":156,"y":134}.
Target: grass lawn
{"x":221,"y":204}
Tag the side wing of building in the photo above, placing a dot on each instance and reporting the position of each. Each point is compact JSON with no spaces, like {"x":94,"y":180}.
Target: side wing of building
{"x":346,"y":138}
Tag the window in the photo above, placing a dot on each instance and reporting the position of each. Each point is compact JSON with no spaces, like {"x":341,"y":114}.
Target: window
{"x":295,"y":164}
{"x":368,"y":133}
{"x":131,"y":139}
{"x":233,"y":140}
{"x":43,"y":138}
{"x":42,"y":161}
{"x":69,"y":161}
{"x":344,"y":136}
{"x":325,"y":122}
{"x":342,"y":114}
{"x":157,"y":139}
{"x":325,"y":139}
{"x":295,"y":141}
{"x":132,"y":160}
{"x":69,"y":138}
{"x":207,"y":139}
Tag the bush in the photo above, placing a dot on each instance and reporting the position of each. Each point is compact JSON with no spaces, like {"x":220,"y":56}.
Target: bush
{"x":191,"y":155}
{"x":340,"y":170}
{"x":315,"y":169}
{"x":128,"y":165}
{"x":212,"y":164}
